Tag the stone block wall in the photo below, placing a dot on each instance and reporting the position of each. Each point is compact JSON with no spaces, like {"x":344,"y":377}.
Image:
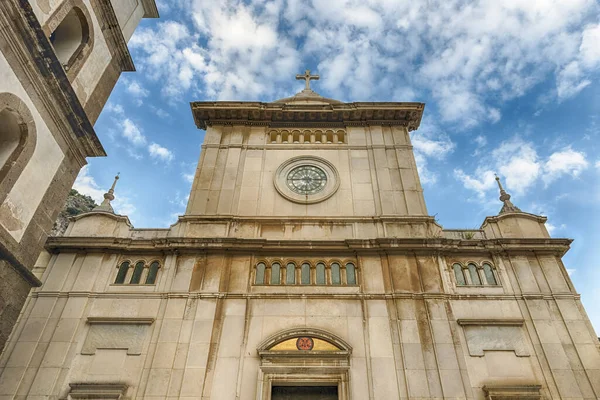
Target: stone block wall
{"x":413,"y":333}
{"x":377,"y":174}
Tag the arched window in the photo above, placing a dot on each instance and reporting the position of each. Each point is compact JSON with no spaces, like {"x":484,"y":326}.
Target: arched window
{"x":17,"y":140}
{"x":321,"y":274}
{"x":275,"y":274}
{"x":152,"y":273}
{"x":335,"y":274}
{"x":290,"y":274}
{"x":459,"y":275}
{"x":137,"y":273}
{"x":350,"y":274}
{"x":122,"y":274}
{"x":70,"y":36}
{"x":475,"y":279}
{"x":305,"y":274}
{"x":489,"y":274}
{"x":260,"y":274}
{"x":11,"y":137}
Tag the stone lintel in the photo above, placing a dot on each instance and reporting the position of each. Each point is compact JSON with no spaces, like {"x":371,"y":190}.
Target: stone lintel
{"x":119,"y":321}
{"x":97,"y":390}
{"x":512,"y":392}
{"x":278,"y":114}
{"x":30,"y":48}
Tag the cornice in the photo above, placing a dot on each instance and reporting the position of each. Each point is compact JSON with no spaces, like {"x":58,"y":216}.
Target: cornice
{"x":387,"y":245}
{"x":491,"y":321}
{"x":150,"y":9}
{"x":533,"y":217}
{"x":284,"y":295}
{"x":278,"y":114}
{"x":29,"y":45}
{"x":113,"y":34}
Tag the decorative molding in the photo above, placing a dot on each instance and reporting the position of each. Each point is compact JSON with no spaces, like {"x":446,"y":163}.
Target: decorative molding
{"x":194,"y":244}
{"x":313,"y":136}
{"x":291,"y":333}
{"x":333,"y":292}
{"x":343,"y":114}
{"x":113,"y":34}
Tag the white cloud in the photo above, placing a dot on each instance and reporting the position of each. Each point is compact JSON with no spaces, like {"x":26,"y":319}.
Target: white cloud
{"x":481,"y":184}
{"x":520,"y":166}
{"x":575,"y":75}
{"x":115,"y":108}
{"x":86,"y":184}
{"x":552,"y":229}
{"x":132,"y":132}
{"x":160,"y":153}
{"x":518,"y":162}
{"x":137,"y":90}
{"x":566,"y":162}
{"x":430,"y":143}
{"x":470,"y":57}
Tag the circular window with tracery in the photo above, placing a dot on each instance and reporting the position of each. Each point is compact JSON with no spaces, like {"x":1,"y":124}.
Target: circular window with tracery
{"x":306,"y":179}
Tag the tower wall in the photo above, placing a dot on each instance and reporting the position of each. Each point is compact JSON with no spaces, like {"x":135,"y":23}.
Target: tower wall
{"x":59,"y":61}
{"x":376,"y":167}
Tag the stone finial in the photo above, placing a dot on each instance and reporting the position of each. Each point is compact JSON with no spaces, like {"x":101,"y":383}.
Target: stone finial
{"x":307,"y":78}
{"x":108,"y":197}
{"x":505,"y":198}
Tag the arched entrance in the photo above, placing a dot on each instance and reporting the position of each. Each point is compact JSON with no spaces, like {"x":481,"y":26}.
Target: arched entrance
{"x":304,"y":364}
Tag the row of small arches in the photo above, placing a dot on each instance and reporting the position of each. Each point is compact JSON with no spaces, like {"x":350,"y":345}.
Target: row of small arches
{"x":316,"y":136}
{"x":473,"y":274}
{"x":138,"y":273}
{"x":320,"y":273}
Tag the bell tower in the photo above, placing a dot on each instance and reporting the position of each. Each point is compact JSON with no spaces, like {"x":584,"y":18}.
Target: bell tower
{"x":59,"y":61}
{"x":307,"y":160}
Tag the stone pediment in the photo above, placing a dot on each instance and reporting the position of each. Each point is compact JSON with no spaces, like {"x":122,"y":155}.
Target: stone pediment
{"x":294,"y":113}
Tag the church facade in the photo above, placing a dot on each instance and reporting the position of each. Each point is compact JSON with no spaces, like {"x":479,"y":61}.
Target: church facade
{"x":306,"y":267}
{"x":59,"y":61}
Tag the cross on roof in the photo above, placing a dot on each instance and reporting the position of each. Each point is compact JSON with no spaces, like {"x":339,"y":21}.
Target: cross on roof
{"x":307,"y":77}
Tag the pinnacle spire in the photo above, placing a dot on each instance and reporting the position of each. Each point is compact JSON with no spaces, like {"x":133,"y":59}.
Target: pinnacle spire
{"x":108,"y":197}
{"x":505,"y":198}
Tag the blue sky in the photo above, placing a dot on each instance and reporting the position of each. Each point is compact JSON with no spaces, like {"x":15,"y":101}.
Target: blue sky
{"x":510,"y":87}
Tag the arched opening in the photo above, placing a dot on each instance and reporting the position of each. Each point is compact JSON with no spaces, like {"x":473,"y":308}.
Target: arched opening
{"x":489,"y":274}
{"x":70,"y":36}
{"x":12,"y":137}
{"x":316,"y":365}
{"x":17,"y":140}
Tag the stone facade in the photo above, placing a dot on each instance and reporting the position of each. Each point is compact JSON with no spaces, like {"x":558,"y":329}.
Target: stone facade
{"x":256,"y":293}
{"x":54,"y":80}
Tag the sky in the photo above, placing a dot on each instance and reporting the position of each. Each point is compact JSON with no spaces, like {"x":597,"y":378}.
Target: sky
{"x":510,"y":87}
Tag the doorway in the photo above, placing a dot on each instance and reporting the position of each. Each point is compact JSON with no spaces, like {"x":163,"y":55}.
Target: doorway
{"x":304,"y":393}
